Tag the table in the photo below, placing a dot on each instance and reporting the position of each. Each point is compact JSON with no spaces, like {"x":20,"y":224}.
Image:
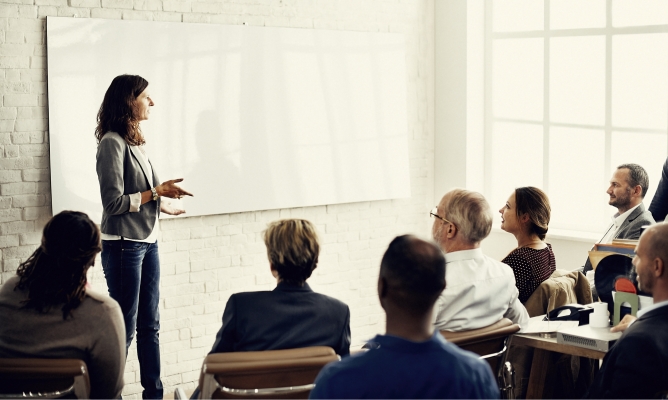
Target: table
{"x":543,"y":349}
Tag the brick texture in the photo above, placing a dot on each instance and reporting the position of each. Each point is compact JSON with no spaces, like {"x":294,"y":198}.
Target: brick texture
{"x":206,"y":259}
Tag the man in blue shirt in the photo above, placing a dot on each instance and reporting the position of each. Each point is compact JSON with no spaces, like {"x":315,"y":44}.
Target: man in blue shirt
{"x":411,"y":360}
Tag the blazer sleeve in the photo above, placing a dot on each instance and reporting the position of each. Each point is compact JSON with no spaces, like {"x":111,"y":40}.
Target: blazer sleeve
{"x":110,"y":170}
{"x":226,"y":336}
{"x":344,"y":341}
{"x":629,"y":371}
{"x":659,"y":206}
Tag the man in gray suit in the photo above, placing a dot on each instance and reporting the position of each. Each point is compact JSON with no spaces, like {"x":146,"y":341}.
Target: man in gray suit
{"x":627,"y":190}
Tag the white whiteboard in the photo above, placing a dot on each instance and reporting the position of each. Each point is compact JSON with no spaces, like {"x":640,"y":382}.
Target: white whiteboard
{"x":253,"y":118}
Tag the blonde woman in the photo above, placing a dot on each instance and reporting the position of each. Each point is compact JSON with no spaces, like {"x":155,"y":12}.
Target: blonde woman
{"x":292,"y":315}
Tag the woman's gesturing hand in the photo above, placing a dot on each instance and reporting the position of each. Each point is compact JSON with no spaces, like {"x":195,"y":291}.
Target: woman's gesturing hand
{"x":167,"y":208}
{"x":171,"y":190}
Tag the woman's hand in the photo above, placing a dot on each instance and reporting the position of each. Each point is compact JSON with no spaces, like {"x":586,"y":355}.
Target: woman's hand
{"x":167,"y":208}
{"x":171,"y":190}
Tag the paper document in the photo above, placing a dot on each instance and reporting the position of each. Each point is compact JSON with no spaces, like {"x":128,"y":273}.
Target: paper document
{"x":537,"y":325}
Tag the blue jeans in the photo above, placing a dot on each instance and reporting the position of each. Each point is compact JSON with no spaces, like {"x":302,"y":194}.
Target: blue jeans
{"x":132,"y":271}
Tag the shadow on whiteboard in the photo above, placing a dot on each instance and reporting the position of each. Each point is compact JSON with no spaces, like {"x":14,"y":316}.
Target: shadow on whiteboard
{"x":253,"y":118}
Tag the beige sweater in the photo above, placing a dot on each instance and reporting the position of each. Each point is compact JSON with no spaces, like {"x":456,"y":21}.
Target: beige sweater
{"x":94,"y":333}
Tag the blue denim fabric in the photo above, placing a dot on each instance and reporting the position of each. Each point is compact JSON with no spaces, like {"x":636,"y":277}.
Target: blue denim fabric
{"x":132,"y":271}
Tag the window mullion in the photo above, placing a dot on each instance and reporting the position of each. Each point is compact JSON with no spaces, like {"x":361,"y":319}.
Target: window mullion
{"x":608,"y":86}
{"x":546,"y":97}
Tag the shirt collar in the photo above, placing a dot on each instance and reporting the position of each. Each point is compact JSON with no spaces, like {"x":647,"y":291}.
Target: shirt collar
{"x":652,"y":307}
{"x":286,"y":287}
{"x":463,"y":255}
{"x":618,"y":219}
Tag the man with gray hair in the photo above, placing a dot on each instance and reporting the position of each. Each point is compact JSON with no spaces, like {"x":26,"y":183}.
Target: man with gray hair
{"x":480,"y":290}
{"x":628,"y":187}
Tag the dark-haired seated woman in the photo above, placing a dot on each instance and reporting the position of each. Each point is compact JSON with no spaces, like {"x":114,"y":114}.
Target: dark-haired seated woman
{"x":46,"y":311}
{"x":292,"y":315}
{"x":526,"y":215}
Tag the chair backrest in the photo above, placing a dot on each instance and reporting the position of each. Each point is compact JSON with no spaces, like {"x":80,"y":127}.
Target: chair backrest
{"x":263,"y":374}
{"x":39,"y":378}
{"x":488,"y":342}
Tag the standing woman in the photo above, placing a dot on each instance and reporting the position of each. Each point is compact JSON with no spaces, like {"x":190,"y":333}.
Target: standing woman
{"x":526,"y":215}
{"x":131,"y":192}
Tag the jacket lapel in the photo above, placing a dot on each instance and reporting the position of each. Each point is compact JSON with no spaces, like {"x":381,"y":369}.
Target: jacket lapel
{"x":136,"y":153}
{"x":635,"y":214}
{"x":657,"y":312}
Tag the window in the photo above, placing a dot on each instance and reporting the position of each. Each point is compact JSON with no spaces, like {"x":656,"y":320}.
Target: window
{"x":573,"y":89}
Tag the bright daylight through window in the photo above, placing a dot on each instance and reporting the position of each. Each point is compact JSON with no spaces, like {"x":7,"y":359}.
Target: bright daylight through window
{"x":574,"y":88}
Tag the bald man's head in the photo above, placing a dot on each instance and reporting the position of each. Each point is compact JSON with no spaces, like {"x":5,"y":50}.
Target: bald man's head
{"x":652,"y":257}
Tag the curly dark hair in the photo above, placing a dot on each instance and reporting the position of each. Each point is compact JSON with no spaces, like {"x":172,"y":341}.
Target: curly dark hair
{"x":55,"y":273}
{"x":116,"y":113}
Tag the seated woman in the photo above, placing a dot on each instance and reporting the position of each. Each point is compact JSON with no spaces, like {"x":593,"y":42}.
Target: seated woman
{"x":54,"y":315}
{"x":292,"y":315}
{"x":526,"y":215}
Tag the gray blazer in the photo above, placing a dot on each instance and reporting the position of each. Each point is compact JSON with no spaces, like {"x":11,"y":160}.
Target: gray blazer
{"x":121,"y":171}
{"x":630,"y":229}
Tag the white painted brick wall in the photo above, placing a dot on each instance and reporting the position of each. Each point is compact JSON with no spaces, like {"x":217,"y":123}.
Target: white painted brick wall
{"x":206,"y":259}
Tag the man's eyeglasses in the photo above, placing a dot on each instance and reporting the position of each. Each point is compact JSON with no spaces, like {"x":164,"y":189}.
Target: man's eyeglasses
{"x":433,"y":213}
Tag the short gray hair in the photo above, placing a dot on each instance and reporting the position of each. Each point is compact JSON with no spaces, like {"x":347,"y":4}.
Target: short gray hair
{"x":637,"y":176}
{"x":470,"y":212}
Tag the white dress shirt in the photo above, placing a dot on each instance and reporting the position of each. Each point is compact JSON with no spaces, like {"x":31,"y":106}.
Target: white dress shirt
{"x":479,"y":291}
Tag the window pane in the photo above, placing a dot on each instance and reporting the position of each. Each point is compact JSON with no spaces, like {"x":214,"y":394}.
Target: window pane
{"x":517,"y":79}
{"x":517,"y":15}
{"x":572,"y":14}
{"x":517,"y":159}
{"x":577,"y":179}
{"x":640,"y":81}
{"x":645,"y":149}
{"x":577,"y":80}
{"x":639,"y":12}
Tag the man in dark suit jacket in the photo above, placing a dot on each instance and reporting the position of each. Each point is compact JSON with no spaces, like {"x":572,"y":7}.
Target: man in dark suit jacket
{"x":627,"y":190}
{"x":659,"y":205}
{"x":292,"y":315}
{"x":637,"y":365}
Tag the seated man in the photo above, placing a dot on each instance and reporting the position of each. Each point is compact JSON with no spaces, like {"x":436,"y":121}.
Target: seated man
{"x":292,"y":315}
{"x":627,"y":190}
{"x":47,"y":310}
{"x":480,"y":290}
{"x":411,"y":360}
{"x":637,"y":365}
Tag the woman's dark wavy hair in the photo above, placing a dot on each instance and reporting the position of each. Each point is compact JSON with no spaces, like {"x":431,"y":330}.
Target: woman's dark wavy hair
{"x":55,"y":274}
{"x":116,"y":113}
{"x":534,"y":202}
